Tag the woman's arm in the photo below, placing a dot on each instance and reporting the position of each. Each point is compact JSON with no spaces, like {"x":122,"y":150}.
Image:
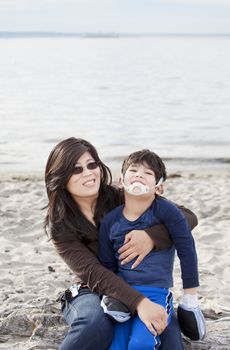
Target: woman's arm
{"x":189,"y":215}
{"x":87,"y":267}
{"x":89,"y":270}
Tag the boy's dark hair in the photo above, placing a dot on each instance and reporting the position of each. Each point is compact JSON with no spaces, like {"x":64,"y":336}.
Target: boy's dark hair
{"x":153,"y":161}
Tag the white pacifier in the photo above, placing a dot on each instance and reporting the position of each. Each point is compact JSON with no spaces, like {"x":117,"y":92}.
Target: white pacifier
{"x":138,"y":189}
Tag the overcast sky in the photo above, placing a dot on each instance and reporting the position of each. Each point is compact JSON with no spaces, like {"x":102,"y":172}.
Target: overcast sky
{"x":129,"y":16}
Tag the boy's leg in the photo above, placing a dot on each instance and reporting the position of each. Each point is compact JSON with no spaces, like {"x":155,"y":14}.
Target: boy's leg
{"x":90,"y":328}
{"x":141,"y":338}
{"x":171,"y":337}
{"x":121,"y":335}
{"x":163,"y":297}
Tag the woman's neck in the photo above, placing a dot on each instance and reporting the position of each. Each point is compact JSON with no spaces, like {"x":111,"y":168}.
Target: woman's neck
{"x":87,"y":207}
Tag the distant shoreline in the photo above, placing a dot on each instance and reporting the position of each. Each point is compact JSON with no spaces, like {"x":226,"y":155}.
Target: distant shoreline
{"x":173,"y":172}
{"x":25,"y":34}
{"x":176,"y":165}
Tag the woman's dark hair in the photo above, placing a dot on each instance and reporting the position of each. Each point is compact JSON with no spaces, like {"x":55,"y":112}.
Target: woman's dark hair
{"x":150,"y":158}
{"x":64,"y":219}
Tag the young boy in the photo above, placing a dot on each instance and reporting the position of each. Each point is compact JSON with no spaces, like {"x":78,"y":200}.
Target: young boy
{"x":143,"y":172}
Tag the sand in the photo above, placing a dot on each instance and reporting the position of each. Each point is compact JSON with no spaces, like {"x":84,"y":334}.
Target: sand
{"x":32,"y":274}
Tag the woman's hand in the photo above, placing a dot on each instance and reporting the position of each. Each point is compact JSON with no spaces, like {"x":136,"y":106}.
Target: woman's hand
{"x":153,"y":315}
{"x":137,"y":244}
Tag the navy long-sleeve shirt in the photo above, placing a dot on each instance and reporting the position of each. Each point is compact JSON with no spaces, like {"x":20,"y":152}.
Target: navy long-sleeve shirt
{"x":156,"y":268}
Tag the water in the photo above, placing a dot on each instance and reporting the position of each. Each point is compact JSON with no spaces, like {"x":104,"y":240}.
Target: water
{"x":170,"y":94}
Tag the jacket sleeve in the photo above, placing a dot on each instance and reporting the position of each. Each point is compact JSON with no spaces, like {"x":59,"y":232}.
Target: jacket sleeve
{"x":160,"y":234}
{"x":189,"y":215}
{"x":99,"y":279}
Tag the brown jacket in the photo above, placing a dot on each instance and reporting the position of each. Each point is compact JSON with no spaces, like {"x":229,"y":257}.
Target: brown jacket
{"x":83,"y":261}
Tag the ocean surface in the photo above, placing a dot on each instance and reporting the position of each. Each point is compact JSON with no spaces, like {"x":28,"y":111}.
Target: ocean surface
{"x":167,"y":93}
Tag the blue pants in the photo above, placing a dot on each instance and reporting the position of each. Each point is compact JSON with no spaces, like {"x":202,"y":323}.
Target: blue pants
{"x":133,"y":334}
{"x":91,"y":329}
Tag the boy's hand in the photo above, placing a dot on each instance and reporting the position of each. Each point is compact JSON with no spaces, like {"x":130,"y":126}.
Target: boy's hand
{"x":153,"y":315}
{"x":137,"y":244}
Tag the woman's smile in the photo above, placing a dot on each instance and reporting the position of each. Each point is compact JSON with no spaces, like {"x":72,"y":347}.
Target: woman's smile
{"x":89,"y":183}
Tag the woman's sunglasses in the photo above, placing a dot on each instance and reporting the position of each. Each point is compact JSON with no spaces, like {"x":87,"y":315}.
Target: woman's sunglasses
{"x":78,"y":169}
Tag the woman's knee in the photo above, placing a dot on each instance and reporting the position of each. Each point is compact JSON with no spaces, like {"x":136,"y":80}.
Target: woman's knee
{"x":94,"y":335}
{"x":84,"y":320}
{"x":99,"y":325}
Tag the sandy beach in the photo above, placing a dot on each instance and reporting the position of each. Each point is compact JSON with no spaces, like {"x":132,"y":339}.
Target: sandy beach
{"x":32,"y":274}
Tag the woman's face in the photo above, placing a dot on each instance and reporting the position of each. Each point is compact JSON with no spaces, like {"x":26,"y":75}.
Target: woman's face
{"x":86,"y":178}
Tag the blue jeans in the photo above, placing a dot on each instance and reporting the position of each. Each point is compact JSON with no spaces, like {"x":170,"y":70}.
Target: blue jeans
{"x":91,"y":329}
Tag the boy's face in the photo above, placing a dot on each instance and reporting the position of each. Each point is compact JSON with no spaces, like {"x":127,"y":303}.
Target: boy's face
{"x":140,"y":173}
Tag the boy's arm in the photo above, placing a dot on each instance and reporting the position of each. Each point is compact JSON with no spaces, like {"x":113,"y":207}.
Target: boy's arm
{"x":160,"y":235}
{"x":184,"y":243}
{"x":158,"y":238}
{"x":106,"y":252}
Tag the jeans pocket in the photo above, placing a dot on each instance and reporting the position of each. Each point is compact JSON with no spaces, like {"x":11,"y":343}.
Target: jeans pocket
{"x":69,"y":312}
{"x":70,"y":309}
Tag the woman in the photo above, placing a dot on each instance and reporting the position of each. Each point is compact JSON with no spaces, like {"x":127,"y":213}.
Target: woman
{"x":80,"y":193}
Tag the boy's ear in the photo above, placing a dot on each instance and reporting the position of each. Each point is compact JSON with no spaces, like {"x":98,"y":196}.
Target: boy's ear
{"x":160,"y":189}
